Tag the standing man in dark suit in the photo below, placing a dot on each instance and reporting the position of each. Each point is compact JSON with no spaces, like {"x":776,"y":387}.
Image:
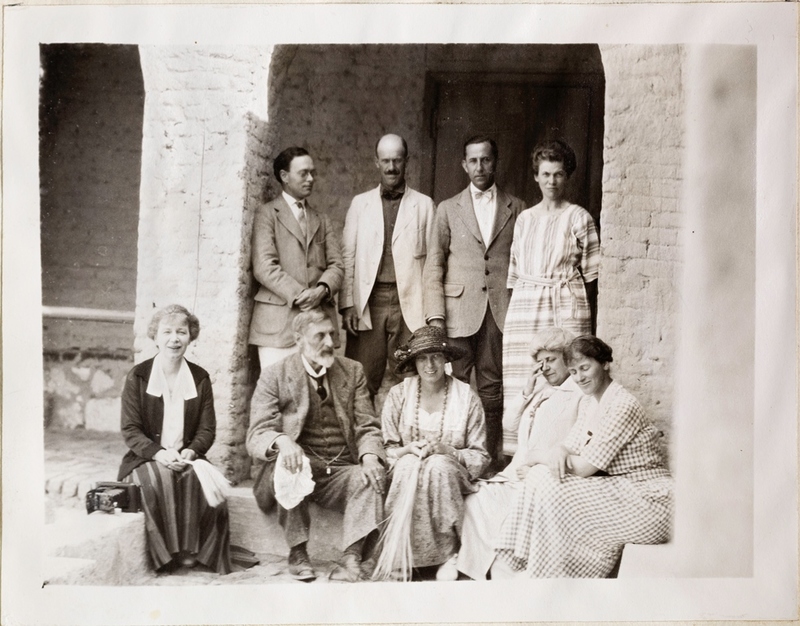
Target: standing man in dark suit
{"x":465,"y":278}
{"x":297,"y":259}
{"x":384,"y":247}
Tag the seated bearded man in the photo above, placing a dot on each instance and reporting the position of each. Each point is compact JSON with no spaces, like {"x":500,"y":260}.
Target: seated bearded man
{"x":313,"y":409}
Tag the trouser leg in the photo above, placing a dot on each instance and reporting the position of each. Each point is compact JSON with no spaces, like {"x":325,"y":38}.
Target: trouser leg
{"x":489,"y":382}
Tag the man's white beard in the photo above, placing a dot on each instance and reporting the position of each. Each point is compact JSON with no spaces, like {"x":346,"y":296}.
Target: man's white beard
{"x":325,"y":360}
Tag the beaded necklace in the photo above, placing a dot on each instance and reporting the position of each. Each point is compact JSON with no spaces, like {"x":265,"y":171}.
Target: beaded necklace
{"x":415,"y":425}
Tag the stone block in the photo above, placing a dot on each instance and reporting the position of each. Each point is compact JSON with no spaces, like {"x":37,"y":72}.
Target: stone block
{"x":103,"y":414}
{"x":101,"y":382}
{"x":60,"y":570}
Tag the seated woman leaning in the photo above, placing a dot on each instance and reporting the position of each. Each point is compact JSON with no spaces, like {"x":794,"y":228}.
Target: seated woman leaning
{"x":168,"y":423}
{"x":605,"y":486}
{"x":544,"y":412}
{"x":435,"y":438}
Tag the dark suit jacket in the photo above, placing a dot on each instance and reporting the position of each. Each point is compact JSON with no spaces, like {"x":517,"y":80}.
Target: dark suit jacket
{"x":285,"y":263}
{"x":281,"y":403}
{"x":462,"y":273}
{"x":143,"y":416}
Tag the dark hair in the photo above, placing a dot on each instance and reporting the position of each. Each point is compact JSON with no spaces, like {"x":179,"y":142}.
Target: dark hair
{"x":284,"y":160}
{"x":405,"y":145}
{"x":476,"y":139}
{"x":590,"y":347}
{"x":554,"y":151}
{"x":169,"y":311}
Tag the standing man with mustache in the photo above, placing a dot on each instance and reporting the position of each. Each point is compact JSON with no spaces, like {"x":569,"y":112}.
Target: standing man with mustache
{"x":297,"y":259}
{"x":384,"y":248}
{"x":465,"y":279}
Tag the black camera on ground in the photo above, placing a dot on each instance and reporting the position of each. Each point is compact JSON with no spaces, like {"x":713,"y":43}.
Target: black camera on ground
{"x":107,"y":496}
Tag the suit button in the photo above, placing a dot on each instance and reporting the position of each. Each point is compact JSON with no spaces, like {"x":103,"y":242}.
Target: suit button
{"x":483,"y":288}
{"x":486,"y":272}
{"x":485,"y":257}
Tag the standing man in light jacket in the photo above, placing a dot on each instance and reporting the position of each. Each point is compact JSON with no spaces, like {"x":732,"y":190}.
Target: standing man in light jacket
{"x":297,"y":259}
{"x":384,"y":248}
{"x":465,"y":278}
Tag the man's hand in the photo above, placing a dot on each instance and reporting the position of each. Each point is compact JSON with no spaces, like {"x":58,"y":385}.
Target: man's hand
{"x":374,"y":473}
{"x":291,"y":453}
{"x":350,"y":320}
{"x":438,"y":322}
{"x":310,"y":298}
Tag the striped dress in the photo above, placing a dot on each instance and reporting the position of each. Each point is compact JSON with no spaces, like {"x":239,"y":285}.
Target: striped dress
{"x":577,"y":527}
{"x":552,"y":255}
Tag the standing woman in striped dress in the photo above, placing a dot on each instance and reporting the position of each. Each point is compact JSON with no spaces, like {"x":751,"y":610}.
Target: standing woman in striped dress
{"x":168,"y":421}
{"x":553,"y":269}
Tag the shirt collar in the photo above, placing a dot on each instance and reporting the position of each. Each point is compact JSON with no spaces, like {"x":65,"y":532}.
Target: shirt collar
{"x":292,"y":201}
{"x":184,"y":383}
{"x":310,"y":369}
{"x":491,"y":192}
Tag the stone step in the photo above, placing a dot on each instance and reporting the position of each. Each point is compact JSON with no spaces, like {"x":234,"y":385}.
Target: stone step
{"x":253,"y":529}
{"x":62,"y":570}
{"x":115,"y":543}
{"x":647,"y":561}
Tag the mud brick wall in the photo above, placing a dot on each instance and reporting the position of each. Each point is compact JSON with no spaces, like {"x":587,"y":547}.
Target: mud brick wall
{"x":204,"y":132}
{"x":641,"y":265}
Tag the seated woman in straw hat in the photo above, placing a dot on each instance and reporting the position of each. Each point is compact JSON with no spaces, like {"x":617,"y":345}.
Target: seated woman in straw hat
{"x":435,"y":438}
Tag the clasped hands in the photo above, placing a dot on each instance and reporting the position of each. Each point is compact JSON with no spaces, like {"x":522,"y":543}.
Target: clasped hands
{"x":425,"y":449}
{"x":174,"y":460}
{"x":310,"y":298}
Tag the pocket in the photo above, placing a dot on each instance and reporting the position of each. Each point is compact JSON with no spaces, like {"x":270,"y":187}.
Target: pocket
{"x":268,"y":297}
{"x":453,"y":290}
{"x":420,"y":243}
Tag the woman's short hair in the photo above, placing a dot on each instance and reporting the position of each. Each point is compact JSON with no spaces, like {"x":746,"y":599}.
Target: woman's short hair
{"x":304,"y":319}
{"x":283,"y":162}
{"x":590,"y":347}
{"x":554,"y":151}
{"x":553,"y":339}
{"x":169,"y":311}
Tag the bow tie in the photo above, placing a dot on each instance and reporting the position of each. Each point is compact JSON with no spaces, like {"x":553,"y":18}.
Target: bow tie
{"x":488,"y":194}
{"x":389,"y":194}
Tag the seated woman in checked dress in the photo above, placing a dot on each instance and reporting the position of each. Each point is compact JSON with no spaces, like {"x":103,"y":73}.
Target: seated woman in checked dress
{"x":605,"y":486}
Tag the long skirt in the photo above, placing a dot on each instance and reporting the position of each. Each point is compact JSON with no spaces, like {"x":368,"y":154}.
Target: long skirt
{"x":484,"y":514}
{"x":531,"y":310}
{"x":438,"y":505}
{"x":577,"y":527}
{"x":179,"y":519}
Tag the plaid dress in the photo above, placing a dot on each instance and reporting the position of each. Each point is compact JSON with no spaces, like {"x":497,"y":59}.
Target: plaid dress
{"x":577,"y":527}
{"x":552,"y":255}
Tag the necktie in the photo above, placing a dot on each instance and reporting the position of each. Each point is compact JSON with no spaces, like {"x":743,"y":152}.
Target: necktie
{"x":321,"y":391}
{"x":302,"y":218}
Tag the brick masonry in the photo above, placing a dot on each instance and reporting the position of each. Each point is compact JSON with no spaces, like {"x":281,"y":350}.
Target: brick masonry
{"x":641,"y":218}
{"x":204,"y":141}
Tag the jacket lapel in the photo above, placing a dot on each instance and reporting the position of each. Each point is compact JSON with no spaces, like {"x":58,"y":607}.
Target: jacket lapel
{"x":340,"y":391}
{"x":501,"y":215}
{"x":406,"y":214}
{"x":287,"y":218}
{"x":467,"y":214}
{"x":313,"y":221}
{"x":297,"y":374}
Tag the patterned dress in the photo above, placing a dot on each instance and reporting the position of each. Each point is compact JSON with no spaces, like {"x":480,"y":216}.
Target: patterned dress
{"x":552,"y":255}
{"x":443,"y":481}
{"x":577,"y":527}
{"x":544,"y":421}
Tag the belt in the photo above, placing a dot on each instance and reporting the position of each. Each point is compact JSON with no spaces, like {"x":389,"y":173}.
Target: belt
{"x":385,"y":286}
{"x":572,"y":283}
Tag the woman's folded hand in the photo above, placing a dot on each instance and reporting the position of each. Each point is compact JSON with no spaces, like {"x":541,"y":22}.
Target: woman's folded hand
{"x":171,"y":459}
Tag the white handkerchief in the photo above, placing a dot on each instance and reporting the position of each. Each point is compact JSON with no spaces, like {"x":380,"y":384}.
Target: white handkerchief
{"x":290,"y":489}
{"x":216,"y":487}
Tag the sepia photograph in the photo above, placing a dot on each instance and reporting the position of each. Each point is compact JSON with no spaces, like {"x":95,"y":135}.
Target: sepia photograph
{"x":381,"y":313}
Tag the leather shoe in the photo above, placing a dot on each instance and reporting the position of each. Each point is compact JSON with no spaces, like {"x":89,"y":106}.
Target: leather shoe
{"x":300,"y":565}
{"x":348,"y":569}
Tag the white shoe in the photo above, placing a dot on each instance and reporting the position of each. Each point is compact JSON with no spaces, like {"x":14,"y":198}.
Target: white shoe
{"x":448,"y":569}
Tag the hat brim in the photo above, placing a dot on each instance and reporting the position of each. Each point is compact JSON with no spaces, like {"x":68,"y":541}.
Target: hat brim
{"x":451,"y":353}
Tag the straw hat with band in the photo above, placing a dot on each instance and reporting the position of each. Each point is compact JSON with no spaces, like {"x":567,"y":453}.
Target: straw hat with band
{"x":424,"y":341}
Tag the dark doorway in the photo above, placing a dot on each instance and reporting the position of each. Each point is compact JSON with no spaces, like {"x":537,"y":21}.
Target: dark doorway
{"x":519,"y":111}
